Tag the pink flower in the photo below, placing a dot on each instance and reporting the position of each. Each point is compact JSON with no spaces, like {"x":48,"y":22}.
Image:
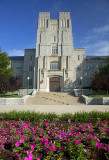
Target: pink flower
{"x":104,"y":129}
{"x":56,"y":127}
{"x":46,"y":124}
{"x":60,"y":137}
{"x":46,"y":143}
{"x":69,"y":120}
{"x":38,"y":158}
{"x":52,"y":148}
{"x":43,"y":139}
{"x":17,"y":144}
{"x":34,"y":131}
{"x":30,"y":156}
{"x":49,"y":132}
{"x":21,"y":140}
{"x":98,"y":139}
{"x":32,"y":147}
{"x":99,"y":145}
{"x":69,"y":139}
{"x":1,"y":116}
{"x":62,"y":125}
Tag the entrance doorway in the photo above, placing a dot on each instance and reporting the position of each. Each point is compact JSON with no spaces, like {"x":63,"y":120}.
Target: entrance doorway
{"x":54,"y":84}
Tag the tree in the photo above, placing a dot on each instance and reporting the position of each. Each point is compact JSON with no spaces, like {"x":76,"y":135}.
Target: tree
{"x":4,"y":64}
{"x":9,"y":84}
{"x":104,"y":69}
{"x":101,"y":79}
{"x":100,"y":82}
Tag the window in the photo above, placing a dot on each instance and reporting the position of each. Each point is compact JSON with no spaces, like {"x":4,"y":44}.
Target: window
{"x":54,"y":66}
{"x":68,"y":23}
{"x":18,"y":67}
{"x":78,"y":58}
{"x":30,"y":68}
{"x":31,"y":58}
{"x":30,"y":82}
{"x":54,"y":50}
{"x":54,"y":38}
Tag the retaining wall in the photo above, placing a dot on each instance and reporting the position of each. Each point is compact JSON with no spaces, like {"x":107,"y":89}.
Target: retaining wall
{"x":18,"y":101}
{"x":13,"y":101}
{"x":95,"y":101}
{"x":23,"y":92}
{"x":79,"y":92}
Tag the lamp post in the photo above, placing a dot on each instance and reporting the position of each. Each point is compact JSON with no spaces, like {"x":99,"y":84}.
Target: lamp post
{"x":81,"y":83}
{"x":28,"y":78}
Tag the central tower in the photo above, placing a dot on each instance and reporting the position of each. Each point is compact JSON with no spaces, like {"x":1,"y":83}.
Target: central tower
{"x":54,"y":36}
{"x":55,"y":70}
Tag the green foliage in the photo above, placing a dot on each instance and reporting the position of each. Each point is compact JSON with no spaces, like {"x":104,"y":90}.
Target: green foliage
{"x":4,"y":65}
{"x":51,"y":117}
{"x":10,"y":96}
{"x":8,"y":84}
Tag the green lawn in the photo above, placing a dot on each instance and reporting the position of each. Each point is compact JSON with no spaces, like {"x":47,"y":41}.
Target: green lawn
{"x":98,"y":95}
{"x":10,"y":96}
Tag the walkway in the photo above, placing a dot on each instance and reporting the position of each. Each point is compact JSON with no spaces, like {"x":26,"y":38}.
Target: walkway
{"x":54,"y":98}
{"x":59,"y":109}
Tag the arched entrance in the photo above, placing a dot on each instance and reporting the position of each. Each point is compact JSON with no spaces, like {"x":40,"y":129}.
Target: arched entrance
{"x":54,"y":84}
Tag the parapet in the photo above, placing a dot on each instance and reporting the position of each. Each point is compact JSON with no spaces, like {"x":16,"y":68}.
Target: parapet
{"x":64,"y":15}
{"x":43,"y":15}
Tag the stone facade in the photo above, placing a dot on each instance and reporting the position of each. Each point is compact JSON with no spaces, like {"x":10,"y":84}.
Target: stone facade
{"x":55,"y":65}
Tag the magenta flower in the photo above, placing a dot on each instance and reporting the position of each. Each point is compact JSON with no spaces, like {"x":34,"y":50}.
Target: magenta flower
{"x":21,"y":140}
{"x":99,"y":145}
{"x":43,"y":139}
{"x":52,"y":148}
{"x":32,"y":147}
{"x":104,"y":129}
{"x":60,"y":137}
{"x":38,"y":158}
{"x":56,"y":127}
{"x":30,"y":156}
{"x":17,"y":144}
{"x":1,"y":117}
{"x":69,"y":120}
{"x":46,"y":144}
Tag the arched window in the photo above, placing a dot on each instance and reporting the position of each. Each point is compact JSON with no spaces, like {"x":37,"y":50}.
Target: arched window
{"x":54,"y":66}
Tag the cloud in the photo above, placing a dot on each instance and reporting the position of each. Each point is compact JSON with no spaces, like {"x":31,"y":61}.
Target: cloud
{"x":101,"y":29}
{"x":97,"y":41}
{"x":99,"y":48}
{"x":15,"y":52}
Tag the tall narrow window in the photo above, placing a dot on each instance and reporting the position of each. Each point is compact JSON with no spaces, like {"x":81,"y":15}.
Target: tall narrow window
{"x":31,"y":57}
{"x":47,"y":23}
{"x":54,"y":38}
{"x":68,"y":23}
{"x":30,"y":82}
{"x":78,"y":58}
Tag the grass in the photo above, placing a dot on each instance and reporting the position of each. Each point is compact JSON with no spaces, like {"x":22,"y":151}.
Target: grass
{"x":35,"y":116}
{"x":98,"y":95}
{"x":10,"y":96}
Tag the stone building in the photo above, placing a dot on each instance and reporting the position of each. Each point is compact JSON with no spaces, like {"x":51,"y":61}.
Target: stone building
{"x":55,"y":65}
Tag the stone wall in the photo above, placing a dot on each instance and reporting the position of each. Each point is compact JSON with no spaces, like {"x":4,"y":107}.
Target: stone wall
{"x":78,"y":92}
{"x":23,"y":92}
{"x":13,"y":101}
{"x":95,"y":101}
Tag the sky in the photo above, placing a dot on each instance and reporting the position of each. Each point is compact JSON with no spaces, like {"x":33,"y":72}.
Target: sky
{"x":90,"y":24}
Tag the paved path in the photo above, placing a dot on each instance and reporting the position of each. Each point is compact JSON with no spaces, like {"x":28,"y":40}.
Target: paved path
{"x":54,"y":98}
{"x":55,"y":108}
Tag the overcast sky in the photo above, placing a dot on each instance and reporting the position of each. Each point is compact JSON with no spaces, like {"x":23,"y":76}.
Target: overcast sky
{"x":90,"y":23}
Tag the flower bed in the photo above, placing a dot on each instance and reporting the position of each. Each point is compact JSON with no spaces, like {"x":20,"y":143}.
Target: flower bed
{"x":56,"y":140}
